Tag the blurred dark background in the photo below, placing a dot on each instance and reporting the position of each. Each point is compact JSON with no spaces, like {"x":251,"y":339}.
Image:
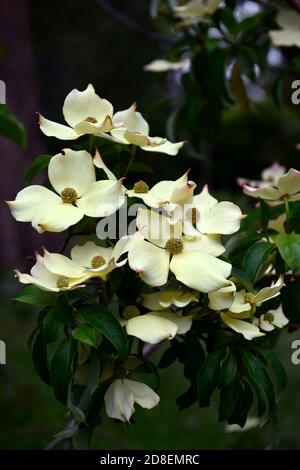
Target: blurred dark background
{"x":52,"y":47}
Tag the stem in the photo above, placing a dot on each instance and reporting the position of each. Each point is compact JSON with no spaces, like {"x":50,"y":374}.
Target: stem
{"x":131,"y":159}
{"x":287,"y":208}
{"x":91,"y":144}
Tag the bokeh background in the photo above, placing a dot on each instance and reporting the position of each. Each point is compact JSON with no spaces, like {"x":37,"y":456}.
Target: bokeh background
{"x":49,"y":48}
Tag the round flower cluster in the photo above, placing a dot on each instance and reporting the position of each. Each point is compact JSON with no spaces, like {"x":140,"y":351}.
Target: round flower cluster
{"x":175,"y":250}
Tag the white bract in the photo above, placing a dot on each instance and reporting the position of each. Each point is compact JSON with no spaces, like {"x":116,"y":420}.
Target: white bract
{"x":272,"y":319}
{"x":161,"y":65}
{"x":285,"y":188}
{"x":132,"y":128}
{"x":167,"y":298}
{"x":193,"y":262}
{"x":121,"y":396}
{"x":85,"y":113}
{"x":98,"y":259}
{"x":196,"y":10}
{"x":72,"y":175}
{"x":55,"y":272}
{"x":167,"y":194}
{"x":289,"y":34}
{"x":205,"y":215}
{"x":154,"y":327}
{"x":269,"y":177}
{"x":243,"y":306}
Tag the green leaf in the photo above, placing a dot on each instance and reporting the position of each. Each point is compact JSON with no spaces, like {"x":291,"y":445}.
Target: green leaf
{"x":289,"y":248}
{"x":195,"y":356}
{"x":37,"y":166}
{"x":81,"y":440}
{"x":278,"y":370}
{"x":85,"y":334}
{"x":103,"y":321}
{"x":237,"y":245}
{"x":228,"y":370}
{"x":169,"y":356}
{"x":242,"y":278}
{"x":260,"y":381}
{"x":93,"y":379}
{"x":226,"y":17}
{"x":256,"y":259}
{"x":229,"y":397}
{"x":35,"y":296}
{"x":188,"y":398}
{"x":39,"y":355}
{"x":51,"y":327}
{"x":10,"y":127}
{"x":61,"y":368}
{"x":208,"y":376}
{"x":243,"y":404}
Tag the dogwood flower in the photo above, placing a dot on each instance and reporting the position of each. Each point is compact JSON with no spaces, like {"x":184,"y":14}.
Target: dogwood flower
{"x":272,"y":319}
{"x":72,"y":175}
{"x":154,"y":327}
{"x":132,"y":128}
{"x":243,"y":307}
{"x":161,"y":65}
{"x":205,"y":215}
{"x":123,"y":393}
{"x":98,"y":259}
{"x":196,"y":10}
{"x":55,"y":272}
{"x":168,"y":297}
{"x":193,"y":262}
{"x":269,"y":176}
{"x":167,"y":194}
{"x":289,"y":34}
{"x":287,"y":189}
{"x":85,"y":113}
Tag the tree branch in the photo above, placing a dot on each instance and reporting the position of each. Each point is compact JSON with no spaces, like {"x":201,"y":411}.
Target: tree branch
{"x":132,"y":25}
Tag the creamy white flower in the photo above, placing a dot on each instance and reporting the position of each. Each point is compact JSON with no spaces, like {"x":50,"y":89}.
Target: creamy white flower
{"x":121,"y":396}
{"x":168,"y":297}
{"x":55,"y":272}
{"x":251,"y":423}
{"x":269,"y":177}
{"x":154,"y":327}
{"x":132,"y":128}
{"x":248,"y":330}
{"x":287,"y":187}
{"x":85,"y":113}
{"x":289,"y":34}
{"x":272,"y":319}
{"x":196,"y":10}
{"x":167,"y":194}
{"x":161,"y":65}
{"x":193,"y":262}
{"x":205,"y":215}
{"x":99,"y":259}
{"x":72,"y":175}
{"x":244,"y":303}
{"x":223,"y":298}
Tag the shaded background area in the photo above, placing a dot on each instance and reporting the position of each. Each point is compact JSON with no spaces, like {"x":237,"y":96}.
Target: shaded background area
{"x":51,"y":48}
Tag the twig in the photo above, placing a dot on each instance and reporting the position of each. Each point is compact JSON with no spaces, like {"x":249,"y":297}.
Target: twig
{"x":132,"y":25}
{"x":71,"y":235}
